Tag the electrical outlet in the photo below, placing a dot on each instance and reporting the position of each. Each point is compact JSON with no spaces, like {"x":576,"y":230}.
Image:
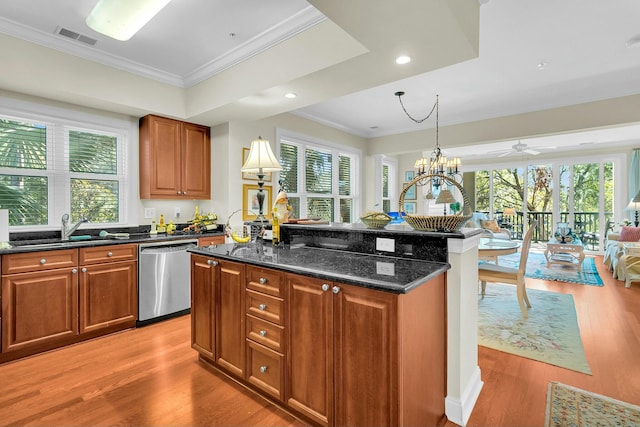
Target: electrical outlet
{"x":176,"y":212}
{"x":149,"y":213}
{"x":386,"y":245}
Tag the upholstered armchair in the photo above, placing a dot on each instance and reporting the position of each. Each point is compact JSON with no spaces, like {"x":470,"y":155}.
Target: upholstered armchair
{"x":489,"y":226}
{"x":614,"y":249}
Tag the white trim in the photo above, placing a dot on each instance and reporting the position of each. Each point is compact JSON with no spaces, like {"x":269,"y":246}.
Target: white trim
{"x":458,"y":410}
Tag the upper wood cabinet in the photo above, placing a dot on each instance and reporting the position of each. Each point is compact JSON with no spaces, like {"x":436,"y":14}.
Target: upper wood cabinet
{"x":175,"y":159}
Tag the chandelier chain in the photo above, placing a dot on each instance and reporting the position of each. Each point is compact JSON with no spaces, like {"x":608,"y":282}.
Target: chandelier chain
{"x":434,"y":108}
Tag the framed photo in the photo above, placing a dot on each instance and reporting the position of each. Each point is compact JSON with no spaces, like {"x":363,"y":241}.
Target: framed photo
{"x":409,"y":175}
{"x":409,"y":208}
{"x":250,"y":201}
{"x":411,"y":192}
{"x":252,"y":175}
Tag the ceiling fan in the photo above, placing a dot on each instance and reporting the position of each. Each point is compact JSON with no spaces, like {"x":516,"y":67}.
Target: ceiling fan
{"x":521,"y":147}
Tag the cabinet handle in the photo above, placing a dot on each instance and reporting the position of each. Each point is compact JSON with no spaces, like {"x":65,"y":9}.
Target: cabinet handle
{"x":109,"y":253}
{"x":212,"y":262}
{"x":184,"y":192}
{"x":325,"y":287}
{"x":336,"y":289}
{"x":262,"y":280}
{"x":263,"y":333}
{"x":263,"y":369}
{"x":179,"y":193}
{"x":43,"y":261}
{"x":74,"y":271}
{"x":262,"y":307}
{"x":84,"y":270}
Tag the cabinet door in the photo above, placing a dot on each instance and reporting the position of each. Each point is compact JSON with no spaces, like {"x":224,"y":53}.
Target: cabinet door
{"x":211,"y":240}
{"x":202,"y":319}
{"x":309,"y":361}
{"x":196,"y":162}
{"x":230,"y":316}
{"x":108,"y":295}
{"x":39,"y":308}
{"x":365,"y":324}
{"x":160,"y":162}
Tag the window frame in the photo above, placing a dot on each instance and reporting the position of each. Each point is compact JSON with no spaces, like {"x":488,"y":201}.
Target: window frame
{"x":304,"y":142}
{"x":59,"y":121}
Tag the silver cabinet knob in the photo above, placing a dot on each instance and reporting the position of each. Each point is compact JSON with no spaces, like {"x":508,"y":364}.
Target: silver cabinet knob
{"x":325,"y":287}
{"x":263,"y":333}
{"x":109,"y":253}
{"x":184,"y":192}
{"x":179,"y":193}
{"x":74,"y":271}
{"x":84,"y":270}
{"x":262,"y":280}
{"x":335,"y":289}
{"x":212,"y":262}
{"x":262,"y":307}
{"x":43,"y":261}
{"x":263,"y":369}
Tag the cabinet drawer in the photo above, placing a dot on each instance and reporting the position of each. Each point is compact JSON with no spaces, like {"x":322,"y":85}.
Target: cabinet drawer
{"x":264,"y":306}
{"x":39,"y":261}
{"x":264,"y":280}
{"x":211,"y":240}
{"x":265,"y":333}
{"x":110,"y":253}
{"x":264,"y":369}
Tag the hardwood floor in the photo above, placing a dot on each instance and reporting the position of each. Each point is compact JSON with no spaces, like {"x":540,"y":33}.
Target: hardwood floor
{"x":150,"y":376}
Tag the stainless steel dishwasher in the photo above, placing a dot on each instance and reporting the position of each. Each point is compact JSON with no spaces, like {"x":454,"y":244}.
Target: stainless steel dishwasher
{"x":164,"y":277}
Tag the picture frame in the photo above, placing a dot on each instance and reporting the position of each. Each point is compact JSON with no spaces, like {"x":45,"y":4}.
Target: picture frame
{"x":411,"y":192}
{"x":252,"y":176}
{"x":250,"y":201}
{"x":409,"y":208}
{"x":409,"y":175}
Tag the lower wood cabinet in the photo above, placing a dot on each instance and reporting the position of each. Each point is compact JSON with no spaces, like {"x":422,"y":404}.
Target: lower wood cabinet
{"x":335,"y":354}
{"x":39,"y":309}
{"x":217,"y":312}
{"x":55,"y":298}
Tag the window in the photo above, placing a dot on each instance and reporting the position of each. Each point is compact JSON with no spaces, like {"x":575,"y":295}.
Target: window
{"x":319,"y":179}
{"x":53,"y":166}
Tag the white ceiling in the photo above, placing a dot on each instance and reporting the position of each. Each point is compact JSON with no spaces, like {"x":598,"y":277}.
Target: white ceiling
{"x":581,"y":42}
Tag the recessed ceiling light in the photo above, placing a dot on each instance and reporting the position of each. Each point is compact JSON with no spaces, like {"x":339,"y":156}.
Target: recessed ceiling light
{"x":542,"y":65}
{"x":290,"y":95}
{"x":403,"y":59}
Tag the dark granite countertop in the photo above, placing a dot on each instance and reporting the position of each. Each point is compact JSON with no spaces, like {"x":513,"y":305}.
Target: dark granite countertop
{"x":386,"y":273}
{"x":35,"y":245}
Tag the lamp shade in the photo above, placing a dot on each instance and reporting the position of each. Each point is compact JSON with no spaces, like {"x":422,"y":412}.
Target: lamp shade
{"x":445,"y":196}
{"x":261,"y":158}
{"x":121,"y":19}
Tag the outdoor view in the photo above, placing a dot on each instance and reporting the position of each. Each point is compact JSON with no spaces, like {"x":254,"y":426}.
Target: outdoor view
{"x":532,"y":197}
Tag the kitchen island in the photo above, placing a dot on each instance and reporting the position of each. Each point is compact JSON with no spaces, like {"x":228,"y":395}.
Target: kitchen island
{"x":335,"y":337}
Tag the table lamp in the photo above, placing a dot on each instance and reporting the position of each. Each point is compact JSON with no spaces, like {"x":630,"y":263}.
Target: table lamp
{"x":261,"y":159}
{"x":634,"y":205}
{"x":445,"y":196}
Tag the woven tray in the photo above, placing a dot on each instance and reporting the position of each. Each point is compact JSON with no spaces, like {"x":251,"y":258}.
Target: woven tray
{"x":435,"y":222}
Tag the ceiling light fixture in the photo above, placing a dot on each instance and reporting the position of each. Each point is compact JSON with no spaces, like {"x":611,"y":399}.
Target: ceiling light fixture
{"x":633,"y":41}
{"x":542,"y":65}
{"x":121,"y":19}
{"x":290,"y":95}
{"x":403,"y":59}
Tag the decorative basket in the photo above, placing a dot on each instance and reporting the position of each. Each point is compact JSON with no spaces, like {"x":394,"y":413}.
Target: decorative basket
{"x":376,"y":220}
{"x":435,"y":222}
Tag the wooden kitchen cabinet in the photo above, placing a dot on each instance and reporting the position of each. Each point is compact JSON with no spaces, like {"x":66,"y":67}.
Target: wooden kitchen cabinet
{"x":217,"y":312}
{"x":374,"y":358}
{"x":39,"y":308}
{"x":211,"y":240}
{"x":108,"y":287}
{"x":175,"y":159}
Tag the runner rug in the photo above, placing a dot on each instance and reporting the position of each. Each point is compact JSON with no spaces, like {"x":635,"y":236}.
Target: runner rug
{"x":550,"y":334}
{"x":537,"y":269}
{"x":570,"y":406}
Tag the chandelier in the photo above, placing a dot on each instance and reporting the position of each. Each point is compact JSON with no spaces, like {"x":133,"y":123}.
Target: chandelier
{"x":436,"y":166}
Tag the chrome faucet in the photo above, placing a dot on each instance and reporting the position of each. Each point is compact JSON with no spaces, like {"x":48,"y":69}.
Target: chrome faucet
{"x":66,"y":231}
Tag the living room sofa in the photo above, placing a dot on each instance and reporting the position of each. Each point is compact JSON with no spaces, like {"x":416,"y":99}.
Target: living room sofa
{"x":489,"y":226}
{"x":613,"y":248}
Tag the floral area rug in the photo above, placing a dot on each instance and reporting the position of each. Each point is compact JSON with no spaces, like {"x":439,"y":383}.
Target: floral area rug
{"x":537,"y":269}
{"x":570,"y":406}
{"x":550,"y":334}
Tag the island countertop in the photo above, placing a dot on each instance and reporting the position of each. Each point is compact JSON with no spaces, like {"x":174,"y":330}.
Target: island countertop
{"x":385,"y":273}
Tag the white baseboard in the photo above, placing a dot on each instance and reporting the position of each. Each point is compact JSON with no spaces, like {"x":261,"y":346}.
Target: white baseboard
{"x":458,"y":409}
